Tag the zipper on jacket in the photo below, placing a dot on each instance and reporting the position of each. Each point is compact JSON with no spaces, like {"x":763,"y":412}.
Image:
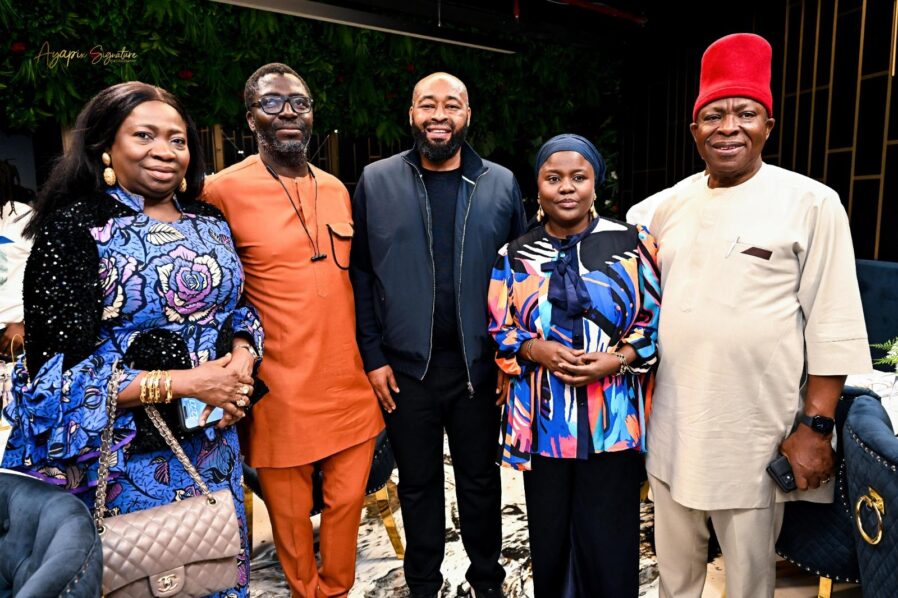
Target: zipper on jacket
{"x":461,"y":261}
{"x":433,"y":269}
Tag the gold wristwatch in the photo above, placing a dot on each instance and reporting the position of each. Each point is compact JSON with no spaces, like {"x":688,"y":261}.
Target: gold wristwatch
{"x":252,"y":351}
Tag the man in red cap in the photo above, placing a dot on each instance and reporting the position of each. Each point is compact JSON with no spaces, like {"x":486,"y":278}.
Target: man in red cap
{"x":759,"y":288}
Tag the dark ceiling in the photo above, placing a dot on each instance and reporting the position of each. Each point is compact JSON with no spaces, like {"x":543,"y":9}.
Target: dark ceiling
{"x":492,"y":24}
{"x":563,"y":21}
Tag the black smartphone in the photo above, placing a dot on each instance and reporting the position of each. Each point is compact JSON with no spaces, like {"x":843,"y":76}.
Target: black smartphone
{"x":781,"y":472}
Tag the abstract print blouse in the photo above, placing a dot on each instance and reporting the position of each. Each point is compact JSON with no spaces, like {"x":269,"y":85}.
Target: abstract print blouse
{"x":595,"y":291}
{"x":100,"y":273}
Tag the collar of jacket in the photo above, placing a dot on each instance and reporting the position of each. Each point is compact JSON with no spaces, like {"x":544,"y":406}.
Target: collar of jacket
{"x":472,"y":165}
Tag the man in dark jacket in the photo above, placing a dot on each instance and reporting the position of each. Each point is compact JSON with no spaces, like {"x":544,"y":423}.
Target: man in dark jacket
{"x":428,"y":224}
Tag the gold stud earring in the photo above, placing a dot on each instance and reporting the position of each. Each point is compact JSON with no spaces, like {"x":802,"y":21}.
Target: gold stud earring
{"x":183,"y":186}
{"x":108,"y":173}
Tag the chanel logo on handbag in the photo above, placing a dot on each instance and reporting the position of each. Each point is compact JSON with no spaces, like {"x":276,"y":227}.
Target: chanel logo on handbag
{"x":167,"y":582}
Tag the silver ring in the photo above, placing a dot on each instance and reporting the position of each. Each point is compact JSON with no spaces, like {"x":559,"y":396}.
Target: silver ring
{"x":826,"y":481}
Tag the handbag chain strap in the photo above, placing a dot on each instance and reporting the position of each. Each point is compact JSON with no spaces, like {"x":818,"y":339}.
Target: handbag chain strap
{"x":106,"y":452}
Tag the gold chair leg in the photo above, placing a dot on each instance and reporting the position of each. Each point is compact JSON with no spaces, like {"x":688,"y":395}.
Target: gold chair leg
{"x":385,"y":510}
{"x":825,"y":588}
{"x":248,"y":506}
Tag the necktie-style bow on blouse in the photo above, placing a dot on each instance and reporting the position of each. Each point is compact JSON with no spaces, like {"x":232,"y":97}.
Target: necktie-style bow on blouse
{"x":567,"y":291}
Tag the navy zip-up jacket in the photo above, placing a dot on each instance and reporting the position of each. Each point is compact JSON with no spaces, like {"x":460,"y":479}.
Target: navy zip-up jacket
{"x":392,"y":268}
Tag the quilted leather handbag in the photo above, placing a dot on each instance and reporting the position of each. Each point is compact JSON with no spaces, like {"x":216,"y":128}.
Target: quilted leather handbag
{"x":819,"y":538}
{"x":871,"y":452}
{"x":186,"y":548}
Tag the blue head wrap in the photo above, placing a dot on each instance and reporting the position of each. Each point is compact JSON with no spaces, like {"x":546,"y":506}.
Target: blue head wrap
{"x":572,"y":143}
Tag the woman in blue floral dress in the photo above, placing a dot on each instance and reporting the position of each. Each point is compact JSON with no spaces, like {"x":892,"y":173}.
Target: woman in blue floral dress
{"x":125,"y":270}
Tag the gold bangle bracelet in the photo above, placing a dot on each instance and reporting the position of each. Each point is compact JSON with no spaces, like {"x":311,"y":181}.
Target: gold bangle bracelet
{"x":157,"y":396}
{"x":150,"y":377}
{"x":168,"y":395}
{"x":157,"y":386}
{"x":151,"y":380}
{"x":143,"y":388}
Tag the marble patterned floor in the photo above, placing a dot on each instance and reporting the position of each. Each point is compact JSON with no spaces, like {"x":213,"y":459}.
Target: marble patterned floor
{"x":379,"y":572}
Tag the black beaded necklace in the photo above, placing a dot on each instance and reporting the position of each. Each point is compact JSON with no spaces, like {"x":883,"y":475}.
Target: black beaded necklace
{"x":313,"y":242}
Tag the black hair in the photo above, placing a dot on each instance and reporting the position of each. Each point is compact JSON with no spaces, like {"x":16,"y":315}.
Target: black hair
{"x":78,"y":173}
{"x":273,"y":68}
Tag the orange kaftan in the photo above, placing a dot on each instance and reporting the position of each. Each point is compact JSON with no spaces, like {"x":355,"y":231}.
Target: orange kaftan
{"x":320,"y":401}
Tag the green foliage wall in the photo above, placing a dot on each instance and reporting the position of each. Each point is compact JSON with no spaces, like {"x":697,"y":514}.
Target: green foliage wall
{"x":361,"y":80}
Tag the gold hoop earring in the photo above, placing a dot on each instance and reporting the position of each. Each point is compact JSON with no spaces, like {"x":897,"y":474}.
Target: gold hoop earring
{"x":108,"y":173}
{"x":183,"y":186}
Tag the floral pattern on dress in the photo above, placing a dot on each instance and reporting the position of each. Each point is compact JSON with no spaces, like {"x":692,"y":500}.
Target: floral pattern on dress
{"x":192,"y":285}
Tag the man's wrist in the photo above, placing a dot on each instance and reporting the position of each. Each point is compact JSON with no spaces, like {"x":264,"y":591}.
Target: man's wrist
{"x":821,"y":424}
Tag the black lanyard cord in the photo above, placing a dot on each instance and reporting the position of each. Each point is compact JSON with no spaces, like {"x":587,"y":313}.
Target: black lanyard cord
{"x":313,"y":242}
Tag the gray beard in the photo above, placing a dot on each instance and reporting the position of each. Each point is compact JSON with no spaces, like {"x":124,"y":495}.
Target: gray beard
{"x":288,"y":153}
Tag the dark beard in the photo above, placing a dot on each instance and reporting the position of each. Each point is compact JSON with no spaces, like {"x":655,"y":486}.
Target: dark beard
{"x":290,"y":153}
{"x":439,"y":152}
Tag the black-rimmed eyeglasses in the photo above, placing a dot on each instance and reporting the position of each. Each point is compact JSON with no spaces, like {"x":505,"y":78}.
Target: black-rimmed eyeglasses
{"x":275,"y":104}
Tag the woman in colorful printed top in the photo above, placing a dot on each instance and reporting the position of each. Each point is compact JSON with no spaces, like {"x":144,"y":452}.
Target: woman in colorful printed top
{"x":574,"y":308}
{"x":124,"y":270}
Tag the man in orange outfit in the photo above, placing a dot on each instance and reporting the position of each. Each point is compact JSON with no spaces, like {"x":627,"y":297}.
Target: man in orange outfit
{"x":292,"y":225}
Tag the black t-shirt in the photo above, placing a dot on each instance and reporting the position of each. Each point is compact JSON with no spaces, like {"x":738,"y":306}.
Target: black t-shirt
{"x":442,"y":192}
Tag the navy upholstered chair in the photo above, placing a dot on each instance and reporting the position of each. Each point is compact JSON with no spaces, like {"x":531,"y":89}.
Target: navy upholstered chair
{"x":871,"y":454}
{"x":48,"y":543}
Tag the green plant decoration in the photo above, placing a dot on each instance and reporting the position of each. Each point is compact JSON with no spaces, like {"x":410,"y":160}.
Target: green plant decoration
{"x":891,"y":356}
{"x":57,"y":54}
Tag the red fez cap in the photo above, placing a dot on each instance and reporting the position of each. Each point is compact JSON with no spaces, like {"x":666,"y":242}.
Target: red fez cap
{"x":736,"y":66}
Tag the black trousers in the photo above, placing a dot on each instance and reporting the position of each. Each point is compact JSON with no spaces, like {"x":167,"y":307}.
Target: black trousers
{"x":423,"y":410}
{"x":583,"y":517}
